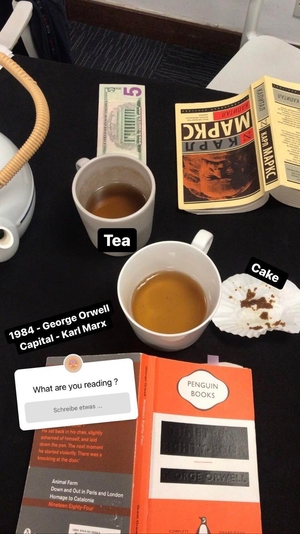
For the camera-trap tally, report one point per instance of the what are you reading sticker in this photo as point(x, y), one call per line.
point(53, 396)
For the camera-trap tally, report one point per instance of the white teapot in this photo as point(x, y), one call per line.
point(17, 191)
point(17, 202)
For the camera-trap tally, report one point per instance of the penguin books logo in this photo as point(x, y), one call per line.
point(202, 389)
point(203, 528)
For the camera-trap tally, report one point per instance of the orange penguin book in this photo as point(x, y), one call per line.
point(195, 468)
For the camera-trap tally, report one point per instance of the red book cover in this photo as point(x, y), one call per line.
point(79, 479)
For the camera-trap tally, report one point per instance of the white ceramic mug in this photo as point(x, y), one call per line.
point(104, 170)
point(190, 259)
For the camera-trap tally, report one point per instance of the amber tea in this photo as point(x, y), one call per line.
point(115, 200)
point(169, 302)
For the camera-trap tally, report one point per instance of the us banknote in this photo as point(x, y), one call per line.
point(122, 120)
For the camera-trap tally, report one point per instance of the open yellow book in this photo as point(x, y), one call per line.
point(232, 153)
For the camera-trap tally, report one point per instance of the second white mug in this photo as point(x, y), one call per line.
point(190, 259)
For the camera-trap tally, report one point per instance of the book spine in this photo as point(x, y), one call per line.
point(264, 135)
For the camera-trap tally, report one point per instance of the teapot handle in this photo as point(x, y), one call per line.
point(41, 126)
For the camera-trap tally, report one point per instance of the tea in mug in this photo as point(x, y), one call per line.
point(115, 200)
point(169, 302)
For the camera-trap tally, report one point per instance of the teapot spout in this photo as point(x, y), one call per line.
point(9, 239)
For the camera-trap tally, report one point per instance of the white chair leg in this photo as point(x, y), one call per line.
point(15, 25)
point(251, 22)
point(26, 33)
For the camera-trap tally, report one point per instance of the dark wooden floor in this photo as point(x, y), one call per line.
point(172, 31)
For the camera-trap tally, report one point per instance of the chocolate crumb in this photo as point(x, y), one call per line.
point(250, 294)
point(260, 303)
point(277, 323)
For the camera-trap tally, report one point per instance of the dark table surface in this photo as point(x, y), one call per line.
point(57, 269)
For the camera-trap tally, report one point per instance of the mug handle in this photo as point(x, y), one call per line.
point(81, 163)
point(203, 240)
